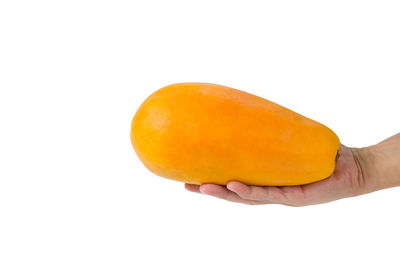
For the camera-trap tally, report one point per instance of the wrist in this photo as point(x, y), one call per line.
point(379, 165)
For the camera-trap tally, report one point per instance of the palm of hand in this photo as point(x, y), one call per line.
point(346, 181)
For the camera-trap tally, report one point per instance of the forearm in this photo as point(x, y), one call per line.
point(380, 164)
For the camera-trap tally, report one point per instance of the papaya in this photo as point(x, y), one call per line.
point(206, 133)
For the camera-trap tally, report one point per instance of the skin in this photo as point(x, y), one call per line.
point(358, 171)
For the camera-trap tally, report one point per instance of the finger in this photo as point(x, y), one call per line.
point(255, 193)
point(192, 188)
point(222, 192)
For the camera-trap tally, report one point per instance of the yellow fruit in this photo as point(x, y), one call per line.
point(205, 133)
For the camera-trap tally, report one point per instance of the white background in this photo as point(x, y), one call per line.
point(73, 73)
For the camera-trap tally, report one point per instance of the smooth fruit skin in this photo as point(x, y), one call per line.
point(205, 133)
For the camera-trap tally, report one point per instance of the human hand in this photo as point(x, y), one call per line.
point(358, 171)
